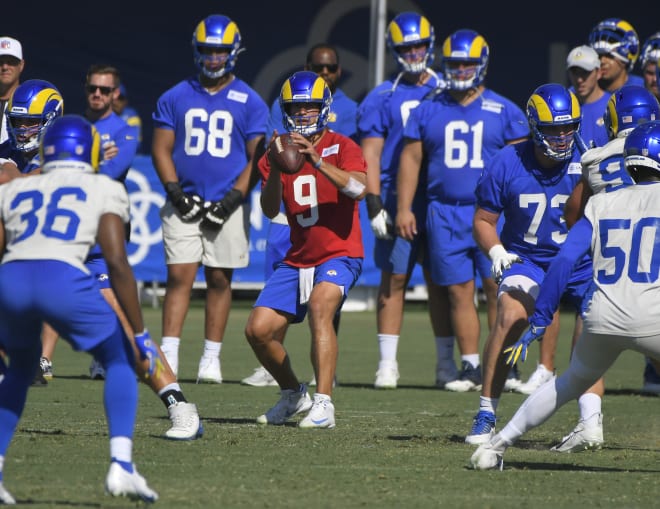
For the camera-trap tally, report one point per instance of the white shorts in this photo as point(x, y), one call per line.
point(188, 243)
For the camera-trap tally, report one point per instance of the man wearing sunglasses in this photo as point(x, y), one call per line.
point(11, 67)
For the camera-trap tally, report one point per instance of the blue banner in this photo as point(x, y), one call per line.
point(147, 255)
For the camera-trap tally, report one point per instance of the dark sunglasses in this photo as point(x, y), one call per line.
point(104, 90)
point(319, 67)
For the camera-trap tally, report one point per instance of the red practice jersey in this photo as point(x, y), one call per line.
point(324, 222)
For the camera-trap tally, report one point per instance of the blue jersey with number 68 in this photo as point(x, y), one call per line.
point(532, 200)
point(211, 132)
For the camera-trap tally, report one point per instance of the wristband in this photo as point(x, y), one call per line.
point(317, 165)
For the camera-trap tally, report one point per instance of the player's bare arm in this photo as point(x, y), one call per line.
point(372, 149)
point(161, 153)
point(406, 186)
point(485, 229)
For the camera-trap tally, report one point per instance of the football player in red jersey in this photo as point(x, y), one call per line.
point(325, 258)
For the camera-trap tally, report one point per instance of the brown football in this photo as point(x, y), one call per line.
point(283, 153)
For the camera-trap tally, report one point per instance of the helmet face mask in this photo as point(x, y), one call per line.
point(629, 107)
point(617, 38)
point(216, 44)
point(70, 143)
point(465, 56)
point(33, 106)
point(650, 50)
point(411, 40)
point(554, 116)
point(305, 101)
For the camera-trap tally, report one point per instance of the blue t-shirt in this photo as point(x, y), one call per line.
point(113, 129)
point(211, 132)
point(459, 141)
point(592, 128)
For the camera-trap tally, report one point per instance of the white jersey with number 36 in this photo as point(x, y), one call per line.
point(55, 216)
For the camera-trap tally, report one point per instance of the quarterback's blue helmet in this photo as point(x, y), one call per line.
point(616, 37)
point(70, 142)
point(553, 105)
point(220, 33)
point(629, 107)
point(33, 106)
point(409, 29)
point(305, 87)
point(464, 46)
point(642, 148)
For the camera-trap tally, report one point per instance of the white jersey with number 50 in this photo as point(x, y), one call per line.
point(55, 216)
point(625, 247)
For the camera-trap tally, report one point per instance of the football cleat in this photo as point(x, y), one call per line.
point(321, 415)
point(46, 368)
point(536, 380)
point(96, 370)
point(260, 378)
point(469, 379)
point(490, 455)
point(121, 483)
point(587, 435)
point(291, 403)
point(186, 424)
point(387, 375)
point(6, 497)
point(209, 370)
point(483, 428)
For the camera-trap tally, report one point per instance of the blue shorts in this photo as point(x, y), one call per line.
point(454, 255)
point(282, 292)
point(277, 244)
point(99, 269)
point(33, 292)
point(576, 292)
point(399, 256)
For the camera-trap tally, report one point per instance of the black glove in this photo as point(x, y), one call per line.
point(188, 205)
point(374, 205)
point(218, 212)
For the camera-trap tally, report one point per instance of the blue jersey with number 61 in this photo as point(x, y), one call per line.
point(211, 133)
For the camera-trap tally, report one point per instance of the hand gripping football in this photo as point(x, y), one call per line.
point(283, 153)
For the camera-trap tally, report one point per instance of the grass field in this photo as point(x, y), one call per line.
point(401, 448)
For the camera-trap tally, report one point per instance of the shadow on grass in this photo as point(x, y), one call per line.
point(54, 503)
point(528, 465)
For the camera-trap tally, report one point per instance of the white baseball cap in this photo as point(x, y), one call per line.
point(12, 47)
point(584, 57)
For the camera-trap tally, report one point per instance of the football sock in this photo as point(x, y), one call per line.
point(488, 404)
point(444, 348)
point(211, 348)
point(388, 344)
point(171, 395)
point(590, 405)
point(170, 343)
point(472, 358)
point(121, 451)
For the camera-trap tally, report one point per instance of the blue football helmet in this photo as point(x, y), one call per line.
point(33, 106)
point(305, 87)
point(650, 50)
point(628, 107)
point(70, 143)
point(217, 32)
point(465, 46)
point(407, 29)
point(553, 105)
point(642, 148)
point(616, 37)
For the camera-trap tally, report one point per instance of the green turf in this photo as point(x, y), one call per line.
point(401, 448)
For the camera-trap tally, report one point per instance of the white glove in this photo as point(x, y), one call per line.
point(382, 225)
point(502, 260)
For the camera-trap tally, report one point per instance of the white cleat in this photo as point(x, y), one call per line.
point(536, 380)
point(185, 422)
point(387, 375)
point(6, 497)
point(96, 370)
point(489, 456)
point(209, 370)
point(120, 483)
point(322, 415)
point(585, 436)
point(260, 378)
point(290, 404)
